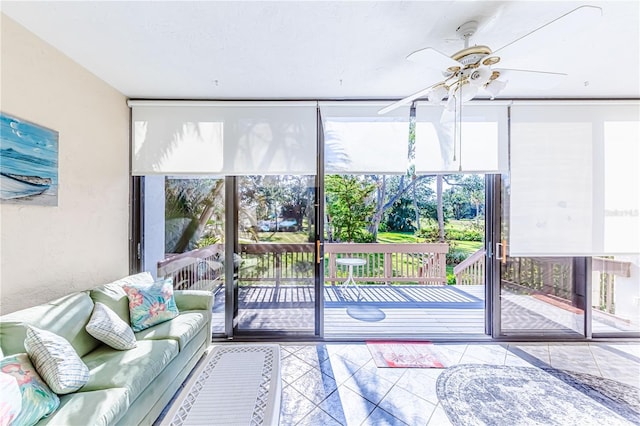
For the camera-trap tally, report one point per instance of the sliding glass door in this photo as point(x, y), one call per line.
point(536, 296)
point(276, 279)
point(567, 249)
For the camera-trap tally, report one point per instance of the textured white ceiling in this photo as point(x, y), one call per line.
point(329, 50)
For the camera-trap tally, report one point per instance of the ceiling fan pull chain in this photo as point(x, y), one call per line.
point(455, 125)
point(411, 152)
point(460, 131)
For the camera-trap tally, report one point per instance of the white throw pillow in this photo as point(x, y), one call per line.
point(106, 326)
point(56, 361)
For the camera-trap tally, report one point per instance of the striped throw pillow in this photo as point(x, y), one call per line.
point(106, 326)
point(56, 361)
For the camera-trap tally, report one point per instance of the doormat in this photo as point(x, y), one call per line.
point(475, 394)
point(405, 354)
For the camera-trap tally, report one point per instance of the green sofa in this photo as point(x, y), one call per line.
point(128, 387)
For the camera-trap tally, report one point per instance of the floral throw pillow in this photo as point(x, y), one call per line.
point(11, 400)
point(38, 400)
point(151, 304)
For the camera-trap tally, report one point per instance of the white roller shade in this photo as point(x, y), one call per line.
point(480, 147)
point(224, 138)
point(575, 180)
point(360, 141)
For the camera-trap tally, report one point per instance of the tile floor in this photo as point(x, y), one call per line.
point(339, 384)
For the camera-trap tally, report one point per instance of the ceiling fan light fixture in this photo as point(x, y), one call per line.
point(480, 76)
point(437, 94)
point(466, 91)
point(453, 70)
point(494, 87)
point(491, 60)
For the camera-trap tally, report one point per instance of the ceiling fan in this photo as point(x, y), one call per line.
point(473, 69)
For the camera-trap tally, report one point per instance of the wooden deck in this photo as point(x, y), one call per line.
point(380, 310)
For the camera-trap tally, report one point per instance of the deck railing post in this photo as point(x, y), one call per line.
point(387, 267)
point(278, 267)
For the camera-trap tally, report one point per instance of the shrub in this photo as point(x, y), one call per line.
point(363, 236)
point(455, 256)
point(207, 241)
point(430, 234)
point(468, 234)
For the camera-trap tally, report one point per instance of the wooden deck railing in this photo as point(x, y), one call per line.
point(388, 263)
point(603, 283)
point(277, 262)
point(471, 270)
point(281, 263)
point(196, 269)
point(407, 262)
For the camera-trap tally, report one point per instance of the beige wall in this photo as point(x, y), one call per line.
point(47, 252)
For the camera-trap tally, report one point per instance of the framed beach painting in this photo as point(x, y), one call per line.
point(28, 163)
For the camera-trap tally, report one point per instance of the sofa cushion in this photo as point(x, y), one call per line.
point(151, 304)
point(134, 369)
point(101, 407)
point(56, 360)
point(106, 326)
point(37, 399)
point(114, 296)
point(66, 317)
point(11, 401)
point(181, 329)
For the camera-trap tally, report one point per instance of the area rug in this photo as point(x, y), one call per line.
point(475, 394)
point(237, 384)
point(405, 354)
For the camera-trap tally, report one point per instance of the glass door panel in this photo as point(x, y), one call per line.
point(184, 231)
point(615, 294)
point(538, 296)
point(277, 246)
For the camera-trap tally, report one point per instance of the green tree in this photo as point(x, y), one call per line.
point(194, 200)
point(349, 206)
point(401, 217)
point(391, 189)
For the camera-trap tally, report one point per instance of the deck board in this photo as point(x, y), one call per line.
point(415, 311)
point(382, 310)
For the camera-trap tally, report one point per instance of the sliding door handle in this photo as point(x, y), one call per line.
point(501, 251)
point(318, 251)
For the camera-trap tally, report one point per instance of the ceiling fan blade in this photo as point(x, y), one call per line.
point(567, 24)
point(407, 100)
point(433, 58)
point(531, 78)
point(510, 70)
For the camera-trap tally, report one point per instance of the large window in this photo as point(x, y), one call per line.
point(575, 192)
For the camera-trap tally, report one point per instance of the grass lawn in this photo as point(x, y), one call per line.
point(280, 237)
point(398, 237)
point(469, 247)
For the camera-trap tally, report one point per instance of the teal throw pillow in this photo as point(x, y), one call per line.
point(151, 304)
point(38, 400)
